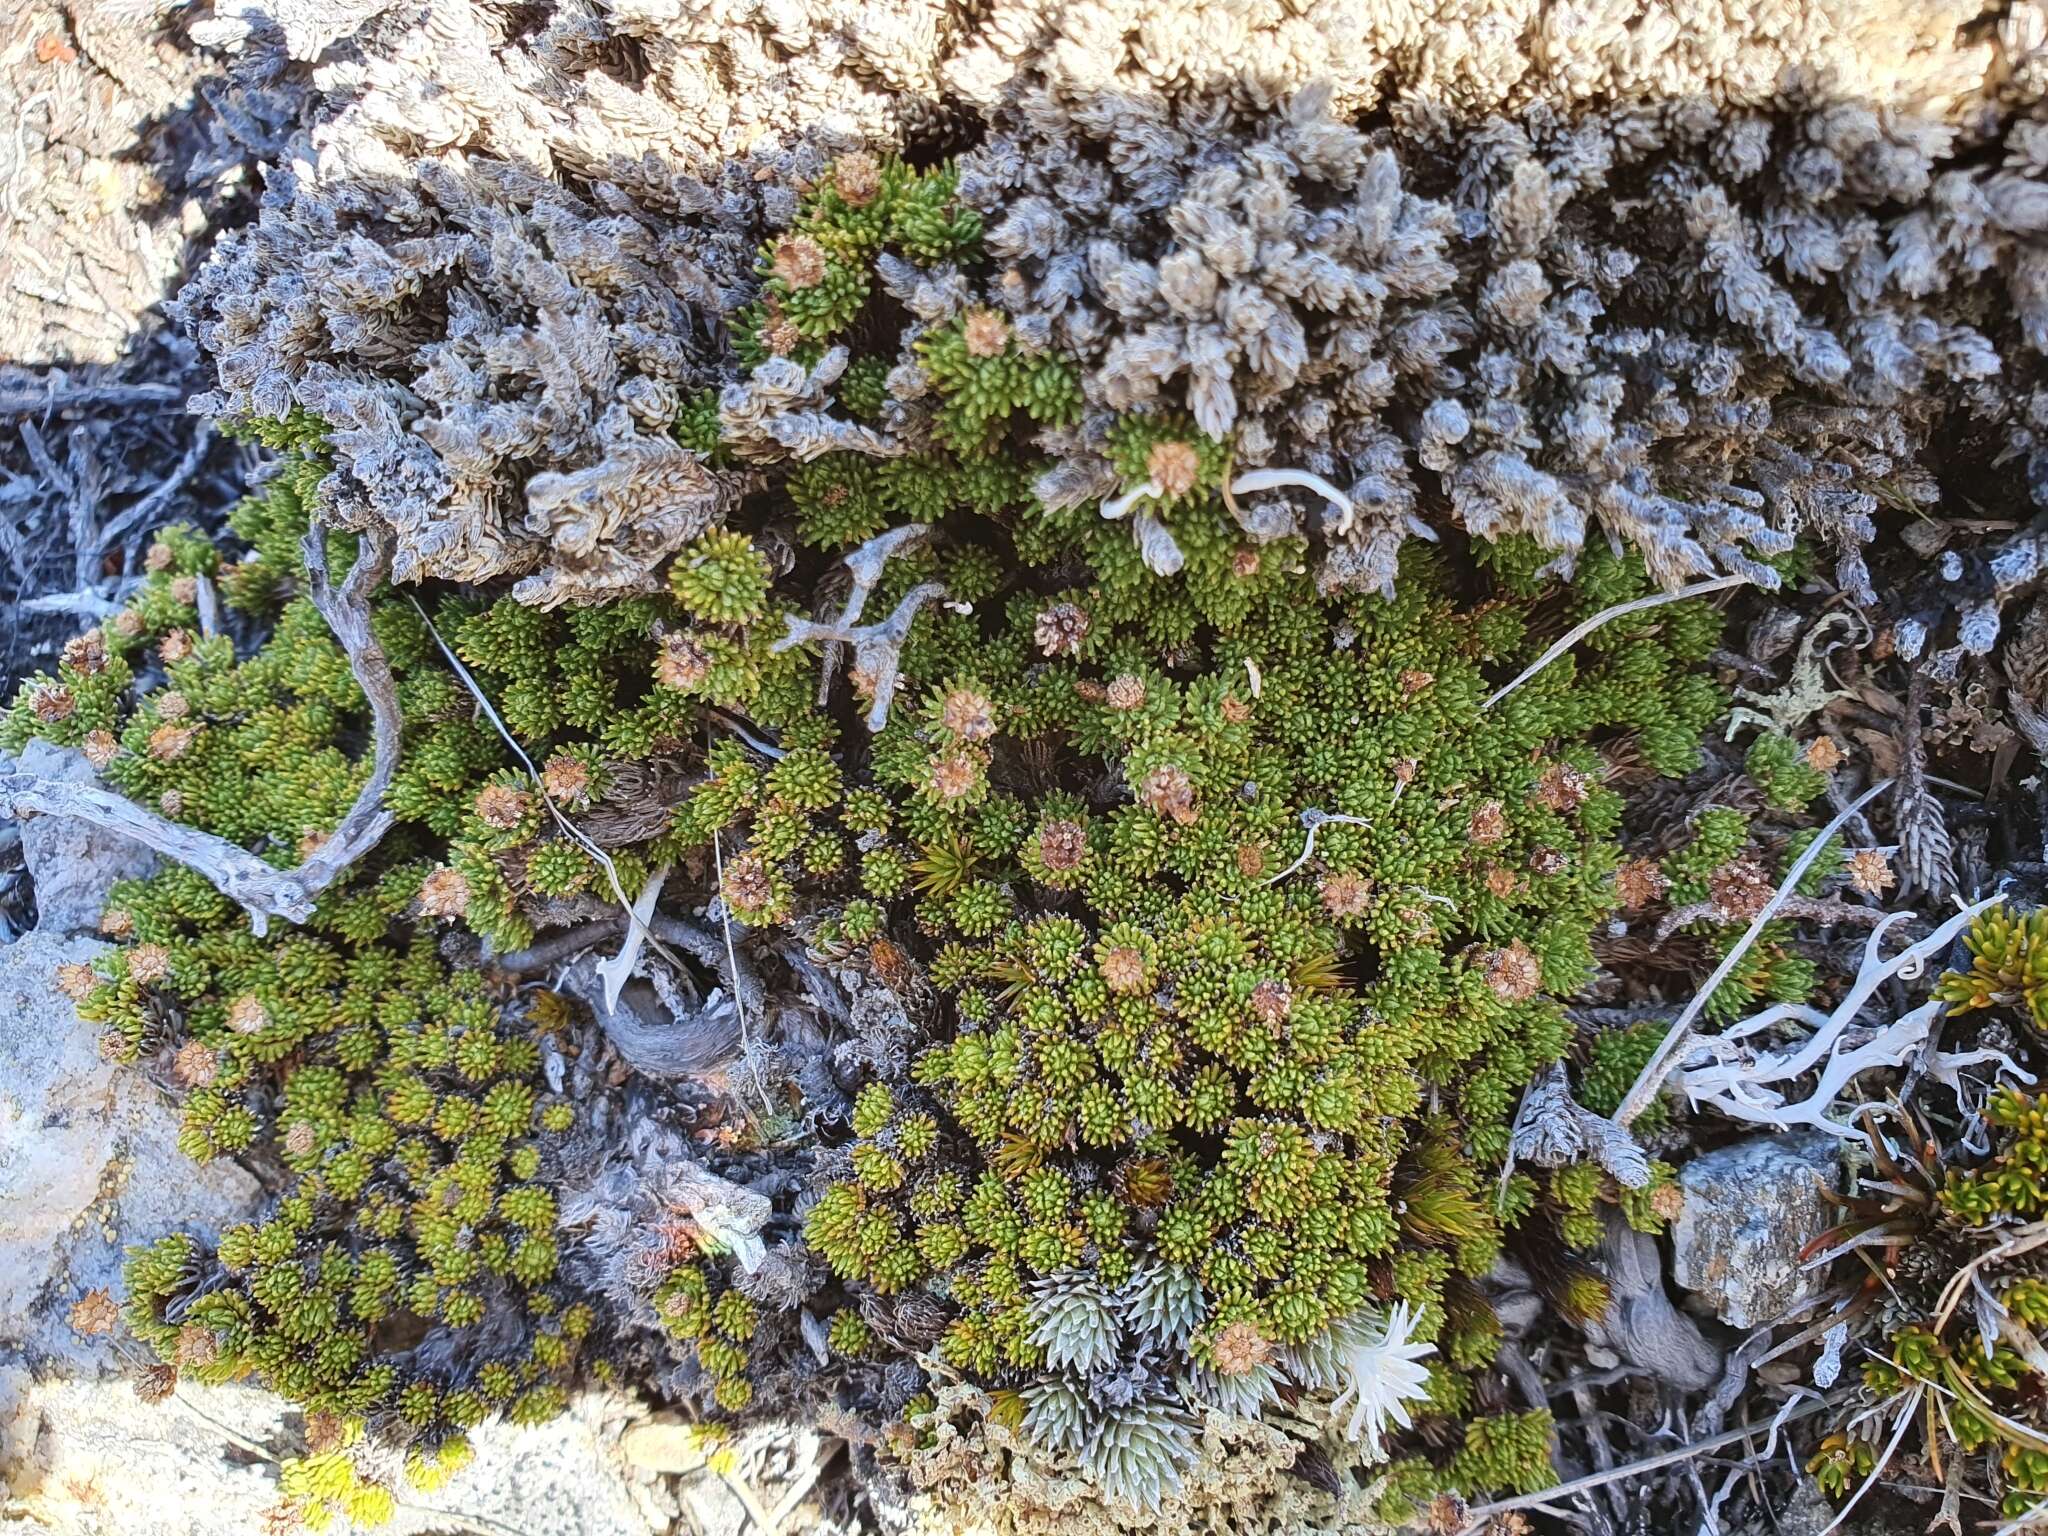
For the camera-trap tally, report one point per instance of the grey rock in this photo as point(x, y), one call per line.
point(73, 863)
point(1750, 1208)
point(89, 1159)
point(1641, 1326)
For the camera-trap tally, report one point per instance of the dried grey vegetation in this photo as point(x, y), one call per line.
point(1695, 282)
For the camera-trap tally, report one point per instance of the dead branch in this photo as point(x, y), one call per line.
point(56, 397)
point(1827, 911)
point(261, 889)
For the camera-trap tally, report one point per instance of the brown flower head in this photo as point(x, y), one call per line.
point(501, 807)
point(1060, 630)
point(148, 964)
point(1823, 756)
point(985, 332)
point(780, 335)
point(113, 1046)
point(300, 1139)
point(1061, 845)
point(185, 590)
point(1173, 466)
point(1870, 872)
point(100, 748)
point(1244, 564)
point(95, 1313)
point(1251, 860)
point(566, 779)
point(196, 1348)
point(1123, 969)
point(1239, 1347)
point(86, 653)
point(1169, 791)
point(954, 776)
point(247, 1015)
point(444, 893)
point(311, 842)
point(799, 261)
point(157, 557)
point(1513, 973)
point(173, 705)
point(154, 1383)
point(1125, 692)
point(1487, 825)
point(1668, 1201)
point(1272, 1001)
point(1548, 861)
point(76, 980)
point(175, 646)
point(1345, 894)
point(1234, 710)
point(747, 886)
point(127, 624)
point(116, 924)
point(1502, 881)
point(1414, 680)
point(1638, 883)
point(684, 662)
point(168, 743)
point(968, 714)
point(857, 178)
point(172, 803)
point(195, 1065)
point(52, 702)
point(1562, 788)
point(1739, 889)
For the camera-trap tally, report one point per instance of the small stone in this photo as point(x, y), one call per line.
point(670, 1449)
point(1749, 1211)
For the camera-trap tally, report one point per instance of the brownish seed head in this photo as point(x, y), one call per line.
point(1061, 845)
point(173, 705)
point(157, 557)
point(148, 964)
point(968, 714)
point(1739, 889)
point(799, 261)
point(1239, 1348)
point(1548, 861)
point(857, 178)
point(1502, 881)
point(1414, 680)
point(780, 335)
point(195, 1065)
point(986, 332)
point(1513, 973)
point(86, 653)
point(1272, 1001)
point(168, 743)
point(747, 886)
point(1870, 872)
point(53, 702)
point(185, 590)
point(1125, 692)
point(1060, 630)
point(76, 980)
point(154, 1383)
point(501, 807)
point(1123, 969)
point(172, 803)
point(1244, 564)
point(1562, 788)
point(1345, 894)
point(127, 624)
point(174, 647)
point(1173, 466)
point(95, 1313)
point(1638, 883)
point(116, 924)
point(1169, 791)
point(566, 779)
point(1251, 860)
point(300, 1139)
point(954, 776)
point(100, 748)
point(684, 663)
point(444, 893)
point(196, 1348)
point(1487, 825)
point(1823, 756)
point(247, 1015)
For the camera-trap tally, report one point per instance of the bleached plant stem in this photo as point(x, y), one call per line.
point(1679, 1041)
point(1301, 479)
point(1314, 820)
point(1579, 631)
point(263, 890)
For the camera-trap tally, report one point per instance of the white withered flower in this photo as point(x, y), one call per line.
point(1382, 1375)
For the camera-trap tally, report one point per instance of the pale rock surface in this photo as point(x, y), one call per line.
point(72, 862)
point(1750, 1208)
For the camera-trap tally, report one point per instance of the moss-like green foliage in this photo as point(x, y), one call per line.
point(1926, 1233)
point(2008, 966)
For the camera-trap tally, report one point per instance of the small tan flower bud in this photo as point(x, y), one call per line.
point(100, 748)
point(1061, 845)
point(127, 624)
point(148, 964)
point(566, 779)
point(86, 653)
point(1123, 969)
point(1638, 883)
point(185, 590)
point(247, 1015)
point(747, 886)
point(684, 662)
point(1173, 466)
point(954, 776)
point(1870, 872)
point(968, 714)
point(168, 743)
point(799, 261)
point(157, 557)
point(156, 1382)
point(300, 1139)
point(77, 981)
point(1562, 788)
point(195, 1065)
point(1345, 894)
point(1244, 564)
point(1739, 890)
point(95, 1313)
point(53, 702)
point(857, 178)
point(174, 647)
point(1487, 825)
point(444, 893)
point(116, 924)
point(1239, 1348)
point(1272, 1001)
point(172, 803)
point(986, 332)
point(501, 807)
point(1125, 692)
point(1823, 756)
point(1513, 973)
point(1060, 630)
point(1168, 790)
point(173, 705)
